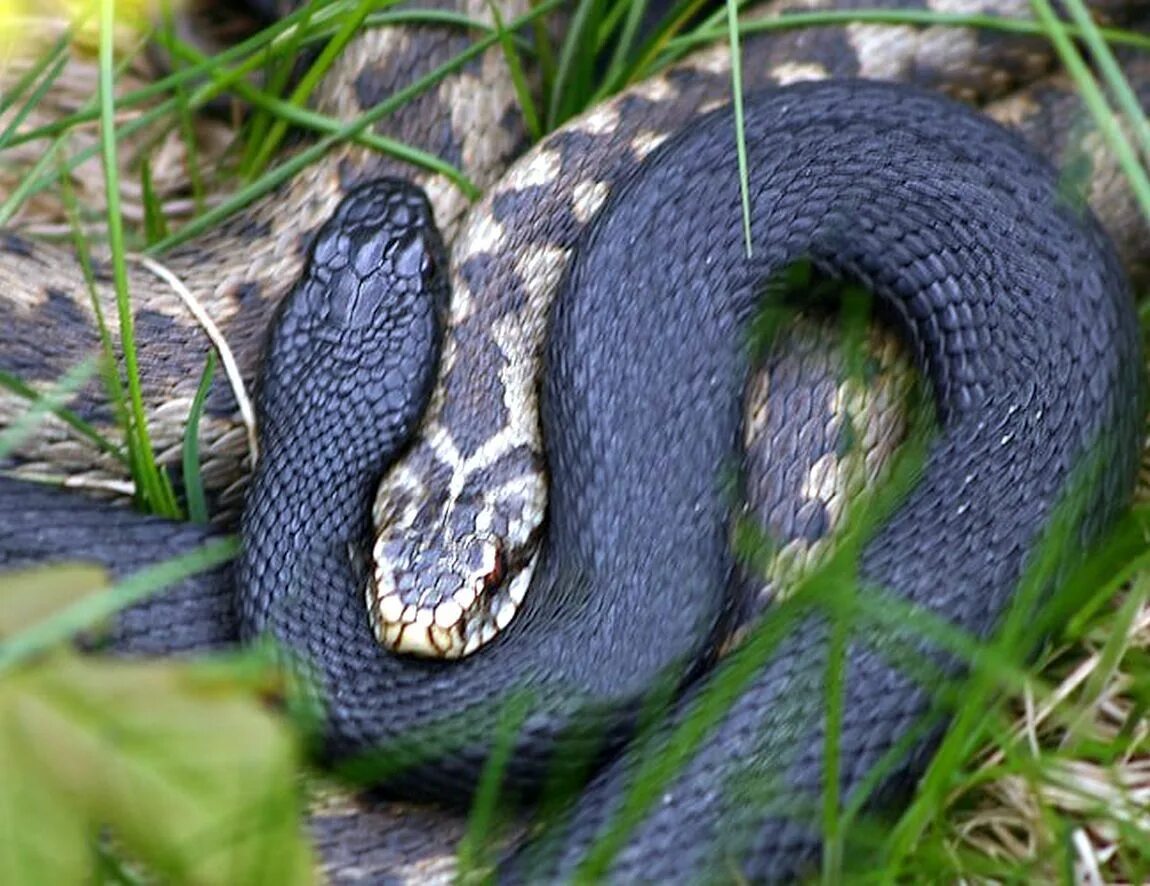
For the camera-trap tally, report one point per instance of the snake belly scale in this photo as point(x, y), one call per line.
point(972, 354)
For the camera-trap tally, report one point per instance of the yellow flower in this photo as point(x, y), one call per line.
point(26, 26)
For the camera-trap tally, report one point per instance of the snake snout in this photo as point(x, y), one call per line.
point(439, 600)
point(380, 242)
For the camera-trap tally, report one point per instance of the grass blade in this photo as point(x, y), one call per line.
point(151, 488)
point(90, 611)
point(1095, 101)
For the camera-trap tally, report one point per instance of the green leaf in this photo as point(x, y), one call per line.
point(31, 595)
point(82, 614)
point(181, 764)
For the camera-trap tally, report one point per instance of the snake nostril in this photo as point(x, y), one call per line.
point(412, 257)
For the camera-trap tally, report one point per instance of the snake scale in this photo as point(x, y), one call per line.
point(510, 254)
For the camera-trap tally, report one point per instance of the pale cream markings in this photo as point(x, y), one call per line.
point(227, 457)
point(789, 5)
point(506, 441)
point(781, 571)
point(844, 471)
point(713, 60)
point(447, 359)
point(519, 339)
point(758, 402)
point(955, 51)
point(1013, 111)
point(798, 72)
point(542, 266)
point(601, 120)
point(1109, 193)
point(878, 427)
point(397, 501)
point(885, 422)
point(823, 478)
point(587, 198)
point(527, 492)
point(477, 115)
point(475, 104)
point(1002, 8)
point(163, 424)
point(883, 51)
point(834, 480)
point(482, 235)
point(395, 504)
point(658, 90)
point(411, 628)
point(888, 52)
point(448, 204)
point(219, 262)
point(441, 442)
point(1114, 202)
point(542, 168)
point(645, 142)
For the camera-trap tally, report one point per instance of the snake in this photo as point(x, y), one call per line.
point(1036, 433)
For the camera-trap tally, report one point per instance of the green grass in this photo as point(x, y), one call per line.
point(1039, 745)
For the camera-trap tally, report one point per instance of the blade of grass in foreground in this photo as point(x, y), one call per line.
point(1103, 58)
point(573, 75)
point(49, 64)
point(152, 488)
point(740, 130)
point(55, 406)
point(344, 132)
point(473, 857)
point(1015, 638)
point(829, 589)
point(193, 480)
point(50, 403)
point(518, 77)
point(90, 611)
point(1093, 98)
point(348, 27)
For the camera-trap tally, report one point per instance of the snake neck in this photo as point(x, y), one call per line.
point(307, 518)
point(300, 517)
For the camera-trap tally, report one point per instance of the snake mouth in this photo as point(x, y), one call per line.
point(406, 621)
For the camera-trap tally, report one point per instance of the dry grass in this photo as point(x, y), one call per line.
point(161, 144)
point(1089, 739)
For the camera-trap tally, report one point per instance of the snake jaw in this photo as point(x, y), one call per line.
point(452, 564)
point(467, 597)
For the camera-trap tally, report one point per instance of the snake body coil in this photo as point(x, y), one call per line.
point(1019, 314)
point(1013, 304)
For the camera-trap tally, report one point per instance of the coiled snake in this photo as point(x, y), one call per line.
point(1014, 304)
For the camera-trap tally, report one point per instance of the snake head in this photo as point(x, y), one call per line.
point(356, 341)
point(450, 570)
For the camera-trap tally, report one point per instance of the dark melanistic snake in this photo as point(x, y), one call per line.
point(1014, 304)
